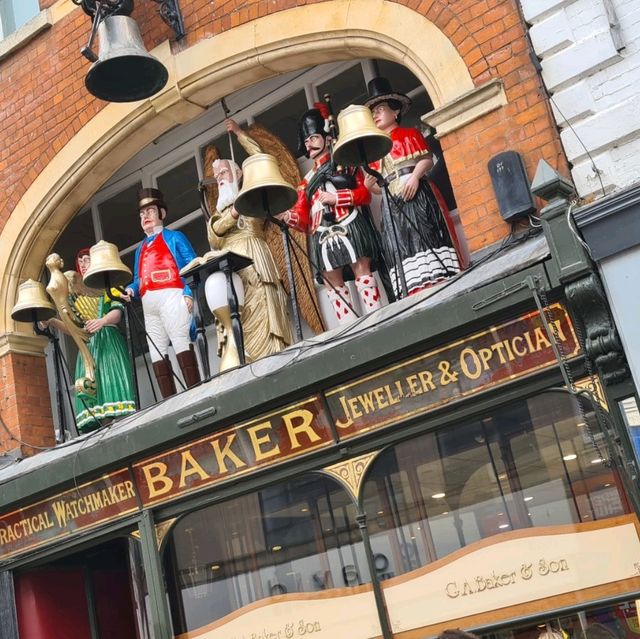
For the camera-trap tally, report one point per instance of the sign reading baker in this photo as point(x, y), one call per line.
point(269, 439)
point(468, 366)
point(86, 506)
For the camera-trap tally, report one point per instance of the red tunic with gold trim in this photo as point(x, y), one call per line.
point(422, 228)
point(340, 234)
point(157, 267)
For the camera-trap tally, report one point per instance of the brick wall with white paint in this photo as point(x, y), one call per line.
point(590, 56)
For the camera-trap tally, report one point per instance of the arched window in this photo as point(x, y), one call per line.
point(298, 536)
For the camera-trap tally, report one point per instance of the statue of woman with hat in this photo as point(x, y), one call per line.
point(420, 229)
point(91, 317)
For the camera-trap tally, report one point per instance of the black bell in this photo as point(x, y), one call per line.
point(125, 71)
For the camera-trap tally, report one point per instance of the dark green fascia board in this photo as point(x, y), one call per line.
point(381, 345)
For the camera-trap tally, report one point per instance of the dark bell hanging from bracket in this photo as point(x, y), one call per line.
point(124, 71)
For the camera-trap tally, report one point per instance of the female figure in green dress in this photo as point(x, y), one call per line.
point(100, 315)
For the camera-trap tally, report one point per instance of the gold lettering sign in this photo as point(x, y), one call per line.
point(526, 571)
point(269, 439)
point(89, 505)
point(471, 365)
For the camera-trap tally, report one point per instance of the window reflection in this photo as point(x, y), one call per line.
point(299, 536)
point(617, 621)
point(533, 463)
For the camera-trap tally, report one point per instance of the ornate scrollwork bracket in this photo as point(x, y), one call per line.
point(170, 13)
point(601, 342)
point(168, 9)
point(576, 272)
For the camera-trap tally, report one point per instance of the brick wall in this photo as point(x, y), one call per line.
point(43, 104)
point(25, 407)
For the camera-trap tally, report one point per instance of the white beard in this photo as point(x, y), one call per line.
point(226, 195)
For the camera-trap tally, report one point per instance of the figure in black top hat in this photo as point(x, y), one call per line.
point(421, 229)
point(331, 208)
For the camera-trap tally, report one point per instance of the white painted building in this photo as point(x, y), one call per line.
point(590, 57)
point(589, 52)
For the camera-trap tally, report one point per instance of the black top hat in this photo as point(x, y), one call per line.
point(149, 196)
point(311, 123)
point(380, 90)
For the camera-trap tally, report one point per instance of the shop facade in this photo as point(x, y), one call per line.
point(433, 466)
point(450, 483)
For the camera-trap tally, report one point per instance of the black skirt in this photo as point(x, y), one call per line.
point(419, 237)
point(338, 245)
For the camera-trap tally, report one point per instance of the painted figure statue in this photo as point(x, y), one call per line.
point(265, 321)
point(421, 229)
point(331, 209)
point(104, 380)
point(167, 301)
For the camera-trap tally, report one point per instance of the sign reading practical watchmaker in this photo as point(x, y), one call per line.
point(471, 365)
point(86, 506)
point(265, 441)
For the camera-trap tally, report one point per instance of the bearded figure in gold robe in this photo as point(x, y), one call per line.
point(265, 320)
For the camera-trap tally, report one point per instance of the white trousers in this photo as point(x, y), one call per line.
point(166, 319)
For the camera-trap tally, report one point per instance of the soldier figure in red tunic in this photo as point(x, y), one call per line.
point(167, 301)
point(329, 210)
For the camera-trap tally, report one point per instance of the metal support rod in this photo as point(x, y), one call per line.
point(172, 16)
point(201, 335)
point(387, 219)
point(57, 369)
point(361, 519)
point(132, 356)
point(234, 310)
point(286, 242)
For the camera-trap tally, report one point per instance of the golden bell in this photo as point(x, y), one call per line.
point(106, 269)
point(33, 304)
point(360, 140)
point(264, 191)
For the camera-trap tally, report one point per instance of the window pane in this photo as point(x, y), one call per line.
point(298, 536)
point(196, 232)
point(15, 13)
point(346, 88)
point(533, 463)
point(282, 119)
point(119, 218)
point(180, 189)
point(79, 234)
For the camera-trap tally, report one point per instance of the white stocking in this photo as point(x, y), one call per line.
point(338, 297)
point(368, 292)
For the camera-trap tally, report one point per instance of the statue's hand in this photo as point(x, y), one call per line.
point(94, 325)
point(232, 126)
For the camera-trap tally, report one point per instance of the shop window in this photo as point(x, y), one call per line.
point(78, 234)
point(15, 13)
point(533, 463)
point(282, 119)
point(180, 189)
point(295, 537)
point(631, 416)
point(349, 87)
point(613, 621)
point(119, 217)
